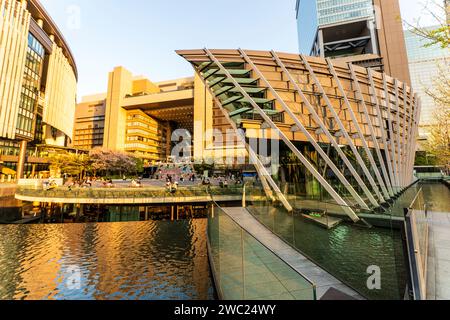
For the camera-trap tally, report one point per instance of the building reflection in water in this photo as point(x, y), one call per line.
point(136, 260)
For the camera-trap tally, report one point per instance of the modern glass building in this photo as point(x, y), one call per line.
point(365, 32)
point(424, 64)
point(38, 80)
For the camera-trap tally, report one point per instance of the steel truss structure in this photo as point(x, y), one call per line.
point(369, 120)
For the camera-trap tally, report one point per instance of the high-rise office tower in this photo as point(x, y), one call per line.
point(425, 63)
point(365, 32)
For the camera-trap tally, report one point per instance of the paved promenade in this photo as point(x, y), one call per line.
point(439, 257)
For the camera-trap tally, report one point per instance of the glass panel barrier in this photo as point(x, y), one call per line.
point(321, 231)
point(130, 193)
point(417, 231)
point(244, 269)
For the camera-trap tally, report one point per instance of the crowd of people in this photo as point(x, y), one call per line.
point(89, 183)
point(173, 177)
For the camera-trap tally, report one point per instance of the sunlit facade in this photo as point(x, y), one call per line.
point(38, 83)
point(135, 115)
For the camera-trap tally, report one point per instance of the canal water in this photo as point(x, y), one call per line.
point(349, 252)
point(154, 260)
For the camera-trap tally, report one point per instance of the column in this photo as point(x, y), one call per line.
point(22, 159)
point(168, 141)
point(321, 43)
point(373, 36)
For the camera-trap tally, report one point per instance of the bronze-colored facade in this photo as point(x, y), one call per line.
point(332, 117)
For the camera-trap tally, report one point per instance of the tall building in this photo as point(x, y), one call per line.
point(135, 115)
point(368, 33)
point(424, 64)
point(142, 117)
point(38, 82)
point(90, 122)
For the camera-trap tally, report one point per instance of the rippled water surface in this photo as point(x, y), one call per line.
point(138, 260)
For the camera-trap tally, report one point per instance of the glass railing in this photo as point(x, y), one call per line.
point(322, 231)
point(417, 235)
point(430, 176)
point(244, 269)
point(130, 193)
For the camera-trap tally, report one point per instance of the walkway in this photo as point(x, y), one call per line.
point(323, 280)
point(439, 257)
point(437, 197)
point(129, 196)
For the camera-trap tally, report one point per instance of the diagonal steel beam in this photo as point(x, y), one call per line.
point(374, 136)
point(399, 145)
point(414, 134)
point(404, 153)
point(381, 120)
point(348, 139)
point(409, 117)
point(313, 112)
point(411, 110)
point(391, 133)
point(362, 137)
point(301, 127)
point(266, 178)
point(286, 140)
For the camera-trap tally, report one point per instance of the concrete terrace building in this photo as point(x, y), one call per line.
point(368, 33)
point(135, 115)
point(139, 116)
point(90, 122)
point(343, 130)
point(424, 64)
point(38, 83)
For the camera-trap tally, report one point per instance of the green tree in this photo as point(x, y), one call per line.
point(75, 165)
point(438, 144)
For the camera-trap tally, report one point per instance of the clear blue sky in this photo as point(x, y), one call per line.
point(142, 35)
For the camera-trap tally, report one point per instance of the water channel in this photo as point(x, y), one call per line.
point(154, 260)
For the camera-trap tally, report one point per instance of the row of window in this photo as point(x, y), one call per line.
point(141, 146)
point(326, 11)
point(140, 124)
point(91, 144)
point(346, 16)
point(88, 137)
point(89, 130)
point(30, 88)
point(141, 117)
point(35, 45)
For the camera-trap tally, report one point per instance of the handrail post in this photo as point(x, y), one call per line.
point(244, 200)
